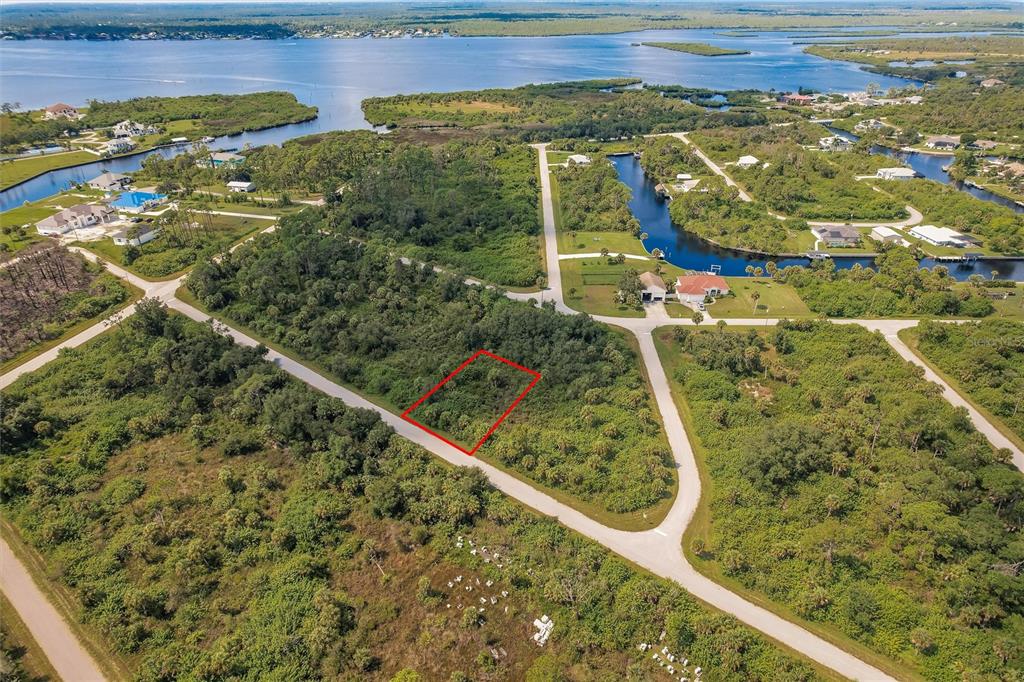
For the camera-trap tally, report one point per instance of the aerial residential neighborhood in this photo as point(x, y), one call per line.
point(548, 342)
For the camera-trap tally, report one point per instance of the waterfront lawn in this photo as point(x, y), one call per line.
point(775, 300)
point(14, 171)
point(172, 252)
point(819, 445)
point(592, 242)
point(17, 225)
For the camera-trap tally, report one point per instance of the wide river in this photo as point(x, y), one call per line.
point(336, 75)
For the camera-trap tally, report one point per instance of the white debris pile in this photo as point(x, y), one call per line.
point(544, 626)
point(673, 664)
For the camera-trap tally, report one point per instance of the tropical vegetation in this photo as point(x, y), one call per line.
point(847, 489)
point(213, 518)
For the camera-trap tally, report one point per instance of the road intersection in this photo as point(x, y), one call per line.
point(659, 550)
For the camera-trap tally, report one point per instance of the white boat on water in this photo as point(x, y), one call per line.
point(206, 140)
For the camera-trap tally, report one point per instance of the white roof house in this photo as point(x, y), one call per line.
point(747, 161)
point(241, 186)
point(887, 235)
point(580, 159)
point(684, 176)
point(898, 173)
point(119, 146)
point(108, 182)
point(82, 215)
point(126, 237)
point(940, 236)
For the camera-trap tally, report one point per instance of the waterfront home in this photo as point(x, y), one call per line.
point(695, 288)
point(868, 125)
point(130, 128)
point(942, 142)
point(241, 186)
point(654, 288)
point(82, 215)
point(746, 161)
point(217, 159)
point(834, 143)
point(796, 99)
point(687, 185)
point(983, 145)
point(579, 159)
point(887, 235)
point(60, 110)
point(110, 182)
point(120, 145)
point(898, 173)
point(991, 82)
point(135, 235)
point(838, 236)
point(940, 236)
point(137, 202)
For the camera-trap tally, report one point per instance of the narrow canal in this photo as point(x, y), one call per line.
point(688, 251)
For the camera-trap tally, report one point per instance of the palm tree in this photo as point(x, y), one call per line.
point(755, 297)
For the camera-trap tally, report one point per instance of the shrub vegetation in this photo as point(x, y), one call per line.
point(847, 488)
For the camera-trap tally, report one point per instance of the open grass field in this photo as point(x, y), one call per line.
point(18, 170)
point(775, 300)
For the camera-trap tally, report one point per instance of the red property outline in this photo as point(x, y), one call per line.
point(494, 427)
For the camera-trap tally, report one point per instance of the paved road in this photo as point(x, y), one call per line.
point(554, 289)
point(715, 168)
point(890, 329)
point(659, 550)
point(53, 635)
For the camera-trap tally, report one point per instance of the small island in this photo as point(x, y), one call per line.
point(702, 49)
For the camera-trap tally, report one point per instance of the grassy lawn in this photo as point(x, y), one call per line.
point(776, 300)
point(910, 337)
point(589, 286)
point(229, 207)
point(25, 650)
point(593, 242)
point(558, 157)
point(18, 170)
point(700, 525)
point(1012, 307)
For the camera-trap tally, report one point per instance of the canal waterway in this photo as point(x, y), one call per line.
point(686, 250)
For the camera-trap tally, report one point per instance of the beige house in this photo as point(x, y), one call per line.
point(82, 215)
point(695, 288)
point(654, 287)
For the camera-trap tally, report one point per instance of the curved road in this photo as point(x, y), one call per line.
point(658, 550)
